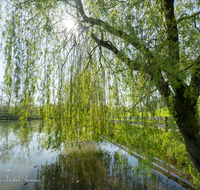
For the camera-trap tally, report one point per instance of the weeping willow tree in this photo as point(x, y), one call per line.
point(116, 56)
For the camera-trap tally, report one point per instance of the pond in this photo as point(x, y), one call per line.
point(95, 166)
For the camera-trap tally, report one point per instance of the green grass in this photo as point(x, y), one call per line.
point(162, 112)
point(153, 141)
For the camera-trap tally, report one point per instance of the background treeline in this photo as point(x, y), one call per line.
point(10, 107)
point(11, 113)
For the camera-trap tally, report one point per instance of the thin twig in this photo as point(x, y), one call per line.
point(140, 100)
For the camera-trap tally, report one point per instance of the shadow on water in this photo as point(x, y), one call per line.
point(27, 165)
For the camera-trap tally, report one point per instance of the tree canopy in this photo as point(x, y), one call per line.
point(114, 56)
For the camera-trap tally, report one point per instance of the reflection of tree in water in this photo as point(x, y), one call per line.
point(87, 168)
point(16, 143)
point(6, 143)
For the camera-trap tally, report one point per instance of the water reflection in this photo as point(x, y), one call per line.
point(13, 149)
point(87, 168)
point(94, 166)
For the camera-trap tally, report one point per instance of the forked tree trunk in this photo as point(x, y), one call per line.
point(186, 115)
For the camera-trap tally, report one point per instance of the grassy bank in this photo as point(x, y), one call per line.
point(148, 141)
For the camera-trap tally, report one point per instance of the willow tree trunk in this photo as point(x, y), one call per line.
point(186, 115)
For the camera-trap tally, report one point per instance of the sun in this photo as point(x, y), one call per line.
point(69, 24)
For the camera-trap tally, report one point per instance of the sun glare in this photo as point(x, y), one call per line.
point(69, 24)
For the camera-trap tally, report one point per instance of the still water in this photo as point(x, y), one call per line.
point(27, 165)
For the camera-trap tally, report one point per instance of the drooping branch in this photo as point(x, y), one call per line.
point(195, 80)
point(133, 39)
point(186, 16)
point(149, 68)
point(89, 61)
point(121, 55)
point(140, 100)
point(156, 76)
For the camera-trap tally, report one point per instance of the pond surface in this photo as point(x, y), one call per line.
point(96, 166)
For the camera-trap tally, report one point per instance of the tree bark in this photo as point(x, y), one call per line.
point(186, 115)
